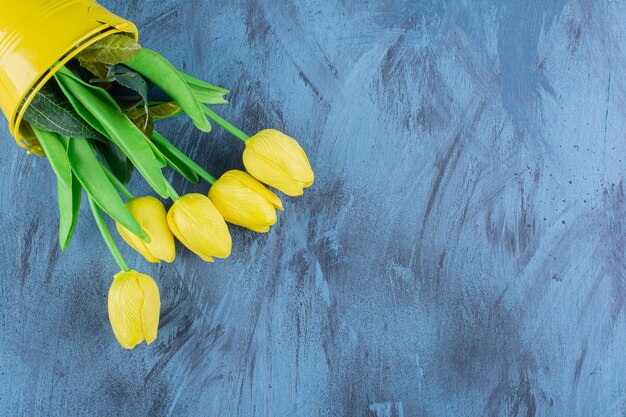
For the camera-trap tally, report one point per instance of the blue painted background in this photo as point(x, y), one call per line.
point(462, 252)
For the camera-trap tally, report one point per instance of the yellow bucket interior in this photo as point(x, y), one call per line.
point(37, 37)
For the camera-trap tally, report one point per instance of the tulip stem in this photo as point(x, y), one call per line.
point(225, 124)
point(172, 192)
point(106, 235)
point(117, 183)
point(160, 140)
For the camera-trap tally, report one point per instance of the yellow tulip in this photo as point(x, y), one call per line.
point(196, 222)
point(152, 218)
point(278, 160)
point(244, 201)
point(134, 308)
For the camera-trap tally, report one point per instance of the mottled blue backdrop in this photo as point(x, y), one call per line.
point(462, 252)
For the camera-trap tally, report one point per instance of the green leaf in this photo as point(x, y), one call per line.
point(145, 123)
point(157, 111)
point(51, 111)
point(87, 169)
point(57, 155)
point(175, 158)
point(69, 206)
point(83, 112)
point(135, 113)
point(205, 93)
point(97, 68)
point(165, 110)
point(159, 154)
point(69, 189)
point(161, 73)
point(191, 80)
point(113, 49)
point(115, 159)
point(120, 129)
point(129, 104)
point(130, 79)
point(205, 96)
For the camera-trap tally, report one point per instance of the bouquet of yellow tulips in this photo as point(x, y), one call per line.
point(92, 113)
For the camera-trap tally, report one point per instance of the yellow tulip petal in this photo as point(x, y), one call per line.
point(136, 243)
point(151, 215)
point(250, 182)
point(306, 172)
point(244, 201)
point(151, 307)
point(283, 150)
point(134, 307)
point(271, 174)
point(278, 160)
point(245, 208)
point(197, 223)
point(125, 300)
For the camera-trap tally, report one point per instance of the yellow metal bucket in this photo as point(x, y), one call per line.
point(37, 37)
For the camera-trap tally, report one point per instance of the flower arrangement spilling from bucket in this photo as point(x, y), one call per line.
point(85, 102)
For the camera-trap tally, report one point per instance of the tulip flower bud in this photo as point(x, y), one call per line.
point(152, 218)
point(196, 222)
point(278, 160)
point(134, 308)
point(244, 201)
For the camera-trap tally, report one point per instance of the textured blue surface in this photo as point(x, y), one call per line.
point(462, 252)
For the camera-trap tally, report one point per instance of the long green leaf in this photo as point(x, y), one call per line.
point(176, 159)
point(87, 169)
point(204, 92)
point(205, 96)
point(189, 79)
point(115, 159)
point(57, 156)
point(83, 112)
point(120, 129)
point(163, 74)
point(158, 154)
point(69, 206)
point(50, 110)
point(183, 170)
point(69, 189)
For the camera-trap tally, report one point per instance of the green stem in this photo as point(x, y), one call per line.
point(225, 124)
point(106, 235)
point(156, 137)
point(117, 183)
point(173, 194)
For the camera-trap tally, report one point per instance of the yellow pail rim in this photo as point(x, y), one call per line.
point(38, 37)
